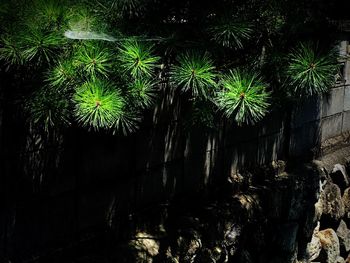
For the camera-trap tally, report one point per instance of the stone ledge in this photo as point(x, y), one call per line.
point(335, 150)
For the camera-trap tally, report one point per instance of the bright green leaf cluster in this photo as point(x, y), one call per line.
point(137, 59)
point(309, 71)
point(94, 59)
point(98, 104)
point(143, 92)
point(195, 73)
point(100, 65)
point(243, 96)
point(231, 33)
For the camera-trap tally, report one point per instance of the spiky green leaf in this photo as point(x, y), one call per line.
point(244, 97)
point(309, 71)
point(195, 73)
point(98, 105)
point(137, 58)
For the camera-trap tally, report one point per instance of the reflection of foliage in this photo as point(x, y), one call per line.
point(309, 71)
point(98, 104)
point(195, 73)
point(49, 108)
point(137, 58)
point(231, 33)
point(244, 96)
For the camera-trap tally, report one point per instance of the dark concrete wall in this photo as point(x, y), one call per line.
point(100, 181)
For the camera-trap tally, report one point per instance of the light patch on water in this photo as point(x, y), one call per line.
point(88, 35)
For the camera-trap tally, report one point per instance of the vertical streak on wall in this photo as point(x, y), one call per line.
point(347, 64)
point(2, 183)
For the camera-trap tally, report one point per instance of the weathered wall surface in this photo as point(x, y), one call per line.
point(101, 180)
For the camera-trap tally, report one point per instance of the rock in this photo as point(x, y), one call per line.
point(232, 233)
point(347, 260)
point(145, 247)
point(231, 238)
point(343, 234)
point(339, 176)
point(346, 201)
point(321, 170)
point(249, 203)
point(188, 243)
point(330, 245)
point(332, 203)
point(318, 210)
point(340, 260)
point(205, 256)
point(279, 167)
point(314, 247)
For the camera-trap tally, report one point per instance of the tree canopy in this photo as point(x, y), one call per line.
point(100, 63)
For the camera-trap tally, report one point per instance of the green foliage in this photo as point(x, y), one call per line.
point(63, 75)
point(50, 14)
point(52, 41)
point(231, 33)
point(39, 46)
point(128, 7)
point(137, 59)
point(142, 91)
point(243, 96)
point(194, 73)
point(94, 59)
point(309, 71)
point(128, 122)
point(98, 104)
point(10, 51)
point(48, 108)
point(80, 18)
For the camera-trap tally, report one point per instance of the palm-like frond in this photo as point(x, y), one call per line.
point(137, 58)
point(98, 104)
point(194, 73)
point(128, 7)
point(63, 75)
point(128, 123)
point(142, 92)
point(231, 33)
point(310, 72)
point(39, 46)
point(48, 13)
point(243, 96)
point(48, 108)
point(94, 59)
point(10, 51)
point(81, 18)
